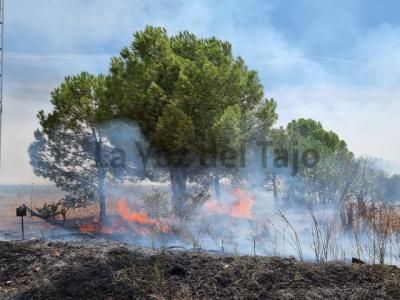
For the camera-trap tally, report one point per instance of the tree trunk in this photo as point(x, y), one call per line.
point(275, 188)
point(178, 178)
point(102, 200)
point(101, 175)
point(217, 186)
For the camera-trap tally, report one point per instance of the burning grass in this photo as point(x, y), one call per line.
point(125, 220)
point(242, 223)
point(241, 207)
point(98, 269)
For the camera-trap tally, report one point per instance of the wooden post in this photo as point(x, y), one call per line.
point(21, 212)
point(22, 225)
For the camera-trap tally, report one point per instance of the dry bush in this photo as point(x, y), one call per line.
point(323, 234)
point(358, 245)
point(189, 210)
point(217, 237)
point(294, 237)
point(195, 198)
point(158, 207)
point(379, 222)
point(396, 243)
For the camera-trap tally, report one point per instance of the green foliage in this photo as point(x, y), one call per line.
point(52, 210)
point(227, 130)
point(184, 91)
point(266, 116)
point(49, 210)
point(75, 103)
point(190, 97)
point(311, 132)
point(69, 147)
point(323, 182)
point(174, 132)
point(338, 176)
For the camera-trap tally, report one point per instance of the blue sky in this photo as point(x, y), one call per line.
point(334, 61)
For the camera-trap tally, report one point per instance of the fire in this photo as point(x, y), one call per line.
point(95, 227)
point(89, 228)
point(133, 216)
point(240, 208)
point(138, 217)
point(141, 221)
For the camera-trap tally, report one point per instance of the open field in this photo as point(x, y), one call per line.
point(12, 196)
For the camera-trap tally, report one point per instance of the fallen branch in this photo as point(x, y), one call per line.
point(35, 214)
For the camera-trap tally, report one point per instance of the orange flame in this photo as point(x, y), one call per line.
point(132, 216)
point(95, 227)
point(138, 217)
point(89, 228)
point(240, 208)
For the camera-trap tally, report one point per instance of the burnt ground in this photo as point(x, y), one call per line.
point(107, 270)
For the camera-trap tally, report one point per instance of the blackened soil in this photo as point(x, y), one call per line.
point(104, 270)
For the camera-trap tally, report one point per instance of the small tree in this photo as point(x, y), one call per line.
point(320, 183)
point(69, 148)
point(61, 207)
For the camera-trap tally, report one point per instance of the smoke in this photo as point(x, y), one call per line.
point(247, 218)
point(346, 92)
